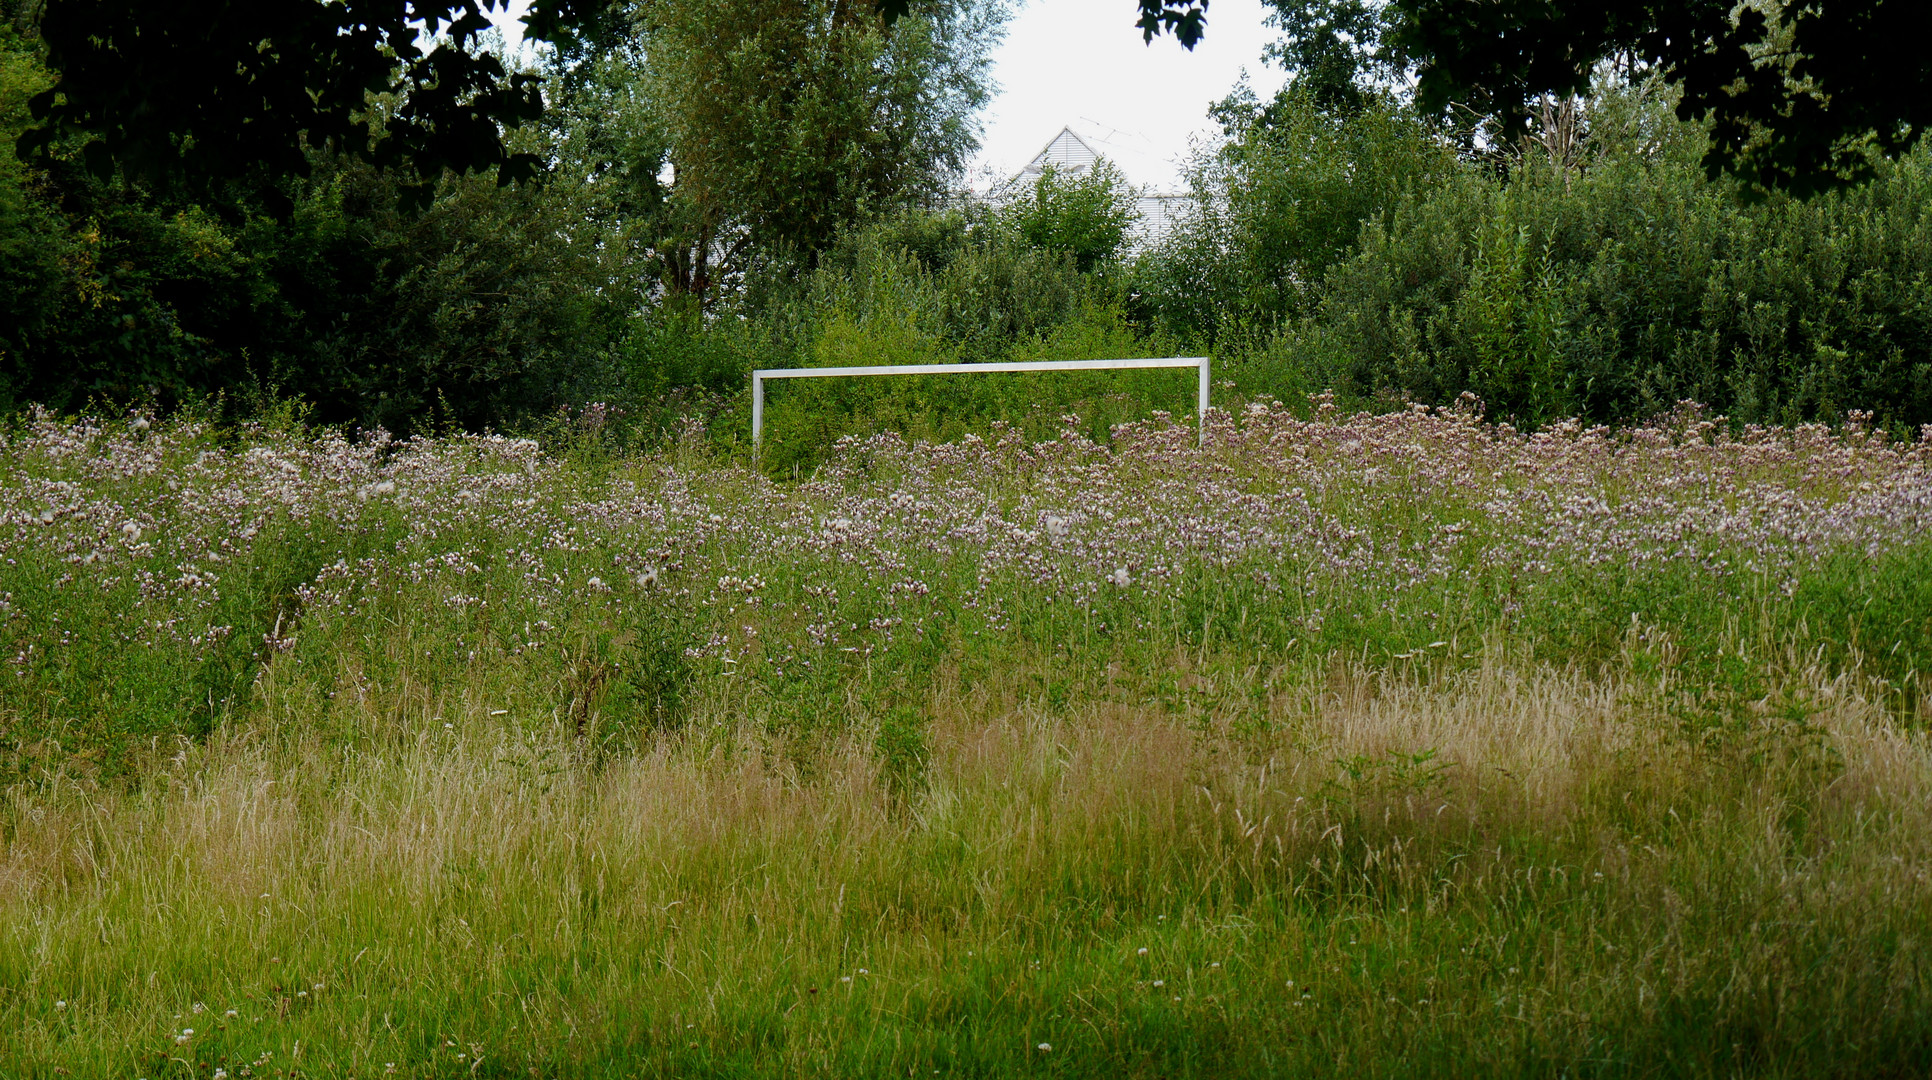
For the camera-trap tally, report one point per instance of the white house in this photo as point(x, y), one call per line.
point(1161, 197)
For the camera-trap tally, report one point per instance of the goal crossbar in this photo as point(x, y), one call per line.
point(759, 376)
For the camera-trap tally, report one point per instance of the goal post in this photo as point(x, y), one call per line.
point(759, 376)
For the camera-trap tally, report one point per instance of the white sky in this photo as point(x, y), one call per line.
point(1081, 63)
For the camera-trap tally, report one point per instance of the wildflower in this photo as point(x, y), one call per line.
point(1143, 950)
point(140, 424)
point(60, 1005)
point(47, 516)
point(221, 1074)
point(231, 1014)
point(1045, 1047)
point(1120, 577)
point(131, 531)
point(1056, 526)
point(647, 578)
point(183, 1038)
point(1158, 983)
point(596, 583)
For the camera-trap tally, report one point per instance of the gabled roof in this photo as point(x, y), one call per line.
point(1067, 152)
point(1072, 154)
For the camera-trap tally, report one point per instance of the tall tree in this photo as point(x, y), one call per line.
point(1798, 95)
point(749, 129)
point(197, 92)
point(1333, 50)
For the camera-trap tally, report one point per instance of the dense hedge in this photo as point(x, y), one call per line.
point(1608, 286)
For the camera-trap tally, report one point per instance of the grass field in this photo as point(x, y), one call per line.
point(1361, 746)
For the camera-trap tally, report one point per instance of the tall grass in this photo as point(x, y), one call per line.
point(1505, 874)
point(1401, 745)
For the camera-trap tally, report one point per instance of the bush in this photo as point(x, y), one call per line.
point(1613, 290)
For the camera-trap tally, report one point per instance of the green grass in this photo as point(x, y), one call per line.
point(468, 812)
point(1495, 877)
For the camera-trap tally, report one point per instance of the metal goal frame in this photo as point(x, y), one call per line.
point(759, 376)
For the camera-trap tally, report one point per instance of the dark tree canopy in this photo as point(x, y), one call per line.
point(1797, 95)
point(1334, 48)
point(199, 91)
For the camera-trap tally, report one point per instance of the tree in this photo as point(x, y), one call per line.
point(1332, 50)
point(200, 92)
point(486, 306)
point(1798, 95)
point(197, 92)
point(1085, 215)
point(750, 130)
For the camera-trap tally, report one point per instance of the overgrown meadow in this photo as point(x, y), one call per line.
point(1381, 745)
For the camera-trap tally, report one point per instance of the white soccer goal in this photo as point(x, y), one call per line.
point(758, 379)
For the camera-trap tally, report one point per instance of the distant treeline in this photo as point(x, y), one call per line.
point(1592, 271)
